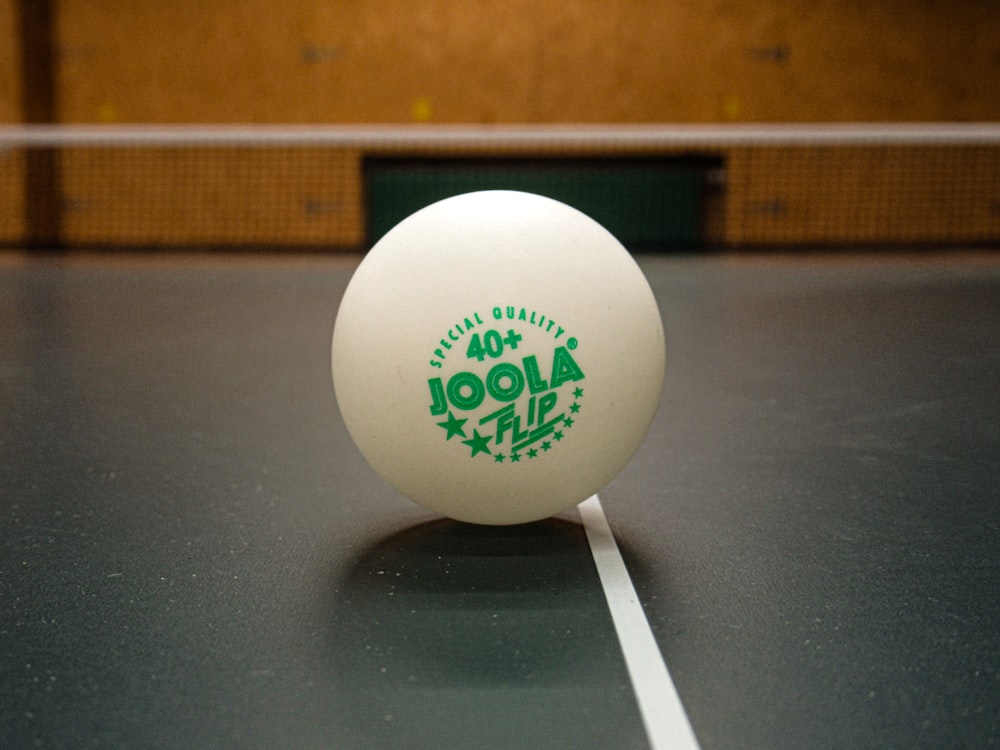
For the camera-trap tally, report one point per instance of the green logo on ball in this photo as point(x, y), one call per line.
point(510, 385)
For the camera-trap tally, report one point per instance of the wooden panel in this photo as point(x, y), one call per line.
point(10, 64)
point(512, 61)
point(863, 195)
point(12, 209)
point(228, 196)
point(11, 162)
point(257, 61)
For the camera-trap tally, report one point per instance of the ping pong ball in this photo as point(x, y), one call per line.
point(498, 357)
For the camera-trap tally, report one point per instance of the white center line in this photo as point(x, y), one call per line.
point(667, 725)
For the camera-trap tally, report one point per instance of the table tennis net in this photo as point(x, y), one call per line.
point(333, 188)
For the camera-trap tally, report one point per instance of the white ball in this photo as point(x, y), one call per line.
point(498, 357)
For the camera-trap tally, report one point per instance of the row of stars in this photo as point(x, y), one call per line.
point(480, 443)
point(533, 452)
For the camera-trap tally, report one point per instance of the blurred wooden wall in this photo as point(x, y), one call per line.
point(515, 61)
point(492, 61)
point(10, 66)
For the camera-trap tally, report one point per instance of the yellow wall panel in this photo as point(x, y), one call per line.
point(11, 162)
point(226, 196)
point(12, 209)
point(866, 195)
point(10, 64)
point(533, 61)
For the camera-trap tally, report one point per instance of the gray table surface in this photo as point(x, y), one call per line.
point(194, 555)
